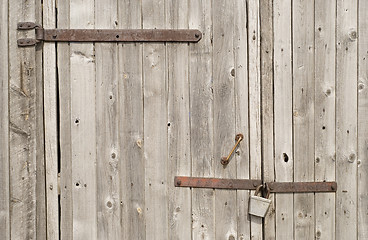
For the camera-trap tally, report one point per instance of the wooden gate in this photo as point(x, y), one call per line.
point(93, 134)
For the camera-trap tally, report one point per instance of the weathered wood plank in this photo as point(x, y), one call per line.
point(107, 127)
point(363, 121)
point(303, 113)
point(346, 120)
point(64, 83)
point(267, 83)
point(267, 108)
point(325, 15)
point(51, 125)
point(155, 87)
point(284, 171)
point(241, 113)
point(131, 111)
point(201, 118)
point(26, 128)
point(4, 125)
point(224, 115)
point(180, 224)
point(255, 135)
point(83, 130)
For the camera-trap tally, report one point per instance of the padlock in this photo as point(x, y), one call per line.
point(258, 206)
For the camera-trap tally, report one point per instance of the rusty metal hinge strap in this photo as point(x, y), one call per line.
point(107, 35)
point(249, 184)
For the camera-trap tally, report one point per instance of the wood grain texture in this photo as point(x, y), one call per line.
point(283, 127)
point(65, 124)
point(346, 120)
point(51, 124)
point(4, 125)
point(26, 129)
point(267, 108)
point(131, 113)
point(224, 115)
point(254, 66)
point(107, 127)
point(363, 120)
point(303, 114)
point(41, 231)
point(83, 130)
point(155, 87)
point(241, 113)
point(178, 125)
point(201, 118)
point(324, 118)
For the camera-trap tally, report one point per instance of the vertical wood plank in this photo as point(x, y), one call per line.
point(83, 130)
point(178, 123)
point(241, 113)
point(224, 115)
point(362, 121)
point(325, 19)
point(4, 125)
point(303, 113)
point(107, 127)
point(266, 31)
point(283, 131)
point(65, 138)
point(40, 155)
point(346, 120)
point(131, 126)
point(201, 118)
point(26, 128)
point(254, 105)
point(51, 134)
point(155, 124)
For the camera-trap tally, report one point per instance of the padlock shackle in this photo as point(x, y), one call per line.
point(268, 190)
point(258, 190)
point(265, 187)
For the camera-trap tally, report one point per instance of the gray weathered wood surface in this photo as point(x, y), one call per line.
point(362, 159)
point(4, 125)
point(130, 98)
point(346, 119)
point(201, 118)
point(178, 123)
point(267, 108)
point(26, 149)
point(51, 125)
point(303, 113)
point(117, 121)
point(324, 115)
point(283, 115)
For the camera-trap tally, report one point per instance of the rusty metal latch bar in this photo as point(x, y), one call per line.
point(250, 184)
point(106, 35)
point(301, 187)
point(220, 183)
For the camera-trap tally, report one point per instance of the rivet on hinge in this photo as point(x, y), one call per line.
point(27, 25)
point(26, 42)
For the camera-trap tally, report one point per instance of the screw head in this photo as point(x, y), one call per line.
point(224, 161)
point(239, 136)
point(178, 182)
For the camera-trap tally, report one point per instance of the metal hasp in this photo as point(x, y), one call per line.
point(218, 183)
point(249, 184)
point(106, 35)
